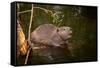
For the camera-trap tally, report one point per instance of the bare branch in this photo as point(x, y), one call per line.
point(18, 6)
point(46, 10)
point(27, 55)
point(29, 35)
point(30, 23)
point(24, 11)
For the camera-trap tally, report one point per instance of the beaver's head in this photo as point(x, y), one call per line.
point(65, 32)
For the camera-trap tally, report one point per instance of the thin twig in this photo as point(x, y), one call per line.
point(24, 11)
point(36, 8)
point(30, 23)
point(29, 35)
point(18, 9)
point(27, 55)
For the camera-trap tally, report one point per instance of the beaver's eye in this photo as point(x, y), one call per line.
point(63, 29)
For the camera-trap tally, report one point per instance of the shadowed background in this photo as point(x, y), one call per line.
point(82, 20)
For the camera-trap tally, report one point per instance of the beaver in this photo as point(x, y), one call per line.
point(49, 34)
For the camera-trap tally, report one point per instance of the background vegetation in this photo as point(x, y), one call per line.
point(82, 20)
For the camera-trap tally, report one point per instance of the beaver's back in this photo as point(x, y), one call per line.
point(44, 31)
